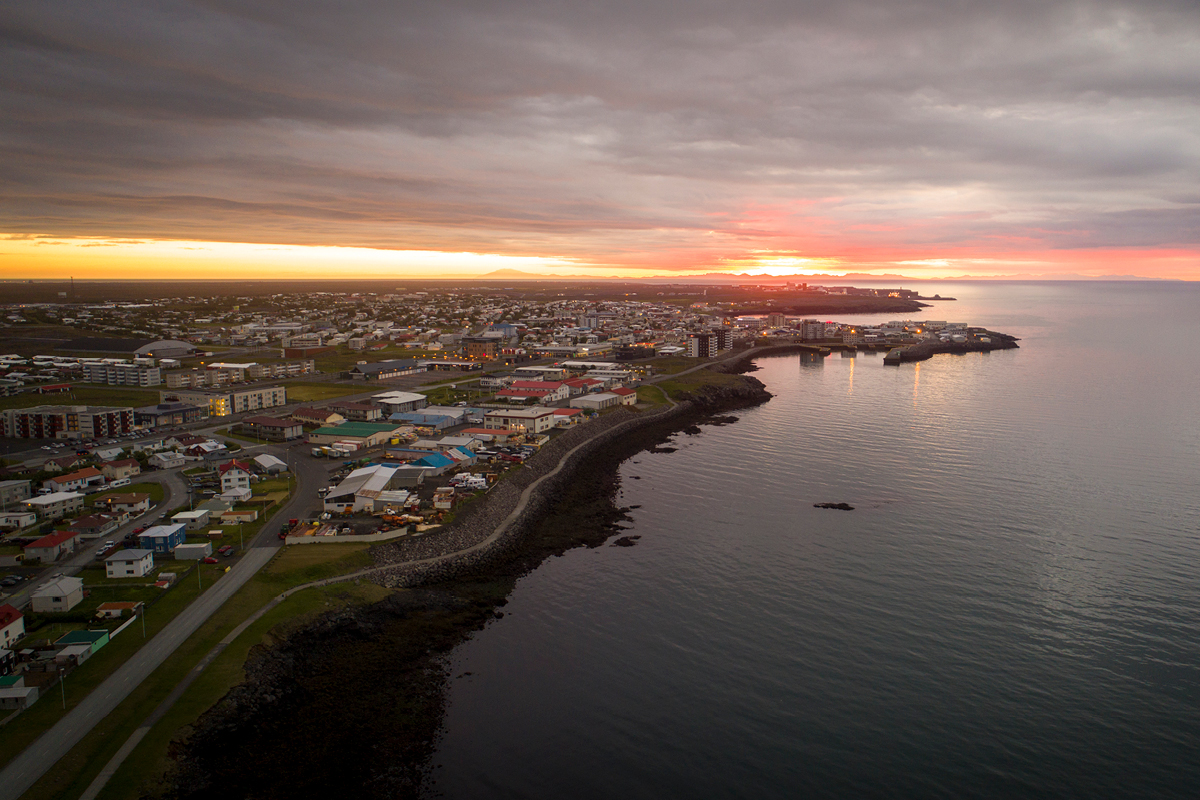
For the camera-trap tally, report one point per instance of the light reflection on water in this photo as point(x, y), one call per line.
point(1012, 609)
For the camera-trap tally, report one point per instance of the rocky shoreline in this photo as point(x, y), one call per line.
point(355, 699)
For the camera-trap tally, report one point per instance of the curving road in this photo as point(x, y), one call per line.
point(24, 770)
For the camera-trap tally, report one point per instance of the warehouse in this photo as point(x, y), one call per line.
point(365, 434)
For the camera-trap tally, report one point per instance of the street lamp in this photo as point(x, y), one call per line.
point(62, 684)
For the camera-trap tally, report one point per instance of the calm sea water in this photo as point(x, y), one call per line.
point(1012, 610)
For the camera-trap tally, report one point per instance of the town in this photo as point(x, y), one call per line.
point(158, 448)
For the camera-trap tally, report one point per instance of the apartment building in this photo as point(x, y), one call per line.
point(66, 422)
point(122, 374)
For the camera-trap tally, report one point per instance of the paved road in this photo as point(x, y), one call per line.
point(23, 771)
point(174, 492)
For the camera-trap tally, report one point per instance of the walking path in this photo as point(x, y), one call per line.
point(23, 771)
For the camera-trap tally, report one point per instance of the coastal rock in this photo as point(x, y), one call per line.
point(626, 541)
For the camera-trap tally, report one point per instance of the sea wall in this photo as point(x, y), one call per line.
point(495, 528)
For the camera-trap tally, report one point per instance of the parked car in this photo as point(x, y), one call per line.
point(226, 551)
point(210, 560)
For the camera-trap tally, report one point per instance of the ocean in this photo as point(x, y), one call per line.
point(1012, 609)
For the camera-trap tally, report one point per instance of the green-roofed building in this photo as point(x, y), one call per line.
point(366, 434)
point(96, 639)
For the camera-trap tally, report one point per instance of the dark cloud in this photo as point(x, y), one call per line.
point(603, 129)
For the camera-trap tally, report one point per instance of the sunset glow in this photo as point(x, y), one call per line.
point(765, 139)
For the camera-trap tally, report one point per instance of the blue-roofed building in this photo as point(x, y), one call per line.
point(437, 462)
point(163, 538)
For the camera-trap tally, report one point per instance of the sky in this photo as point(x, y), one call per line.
point(285, 138)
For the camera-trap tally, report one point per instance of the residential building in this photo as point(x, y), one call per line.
point(478, 348)
point(75, 481)
point(168, 460)
point(162, 539)
point(222, 404)
point(13, 492)
point(193, 520)
point(357, 412)
point(526, 420)
point(59, 595)
point(122, 374)
point(93, 526)
point(130, 503)
point(234, 475)
point(66, 422)
point(125, 468)
point(52, 546)
point(704, 345)
point(55, 505)
point(316, 416)
point(17, 520)
point(134, 563)
point(168, 414)
point(400, 402)
point(12, 626)
point(272, 429)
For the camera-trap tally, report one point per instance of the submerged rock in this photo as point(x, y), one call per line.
point(838, 506)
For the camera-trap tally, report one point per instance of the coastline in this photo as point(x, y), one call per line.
point(311, 677)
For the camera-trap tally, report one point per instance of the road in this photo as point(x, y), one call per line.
point(174, 491)
point(23, 771)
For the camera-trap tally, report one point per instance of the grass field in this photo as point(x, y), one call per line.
point(84, 395)
point(651, 395)
point(695, 380)
point(145, 766)
point(301, 392)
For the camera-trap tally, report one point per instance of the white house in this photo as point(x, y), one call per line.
point(168, 460)
point(134, 563)
point(234, 475)
point(61, 594)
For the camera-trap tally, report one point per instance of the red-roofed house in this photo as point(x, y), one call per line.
point(12, 625)
point(628, 396)
point(125, 468)
point(75, 481)
point(234, 475)
point(51, 547)
point(523, 395)
point(555, 390)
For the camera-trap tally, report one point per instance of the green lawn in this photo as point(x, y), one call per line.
point(294, 566)
point(695, 380)
point(301, 392)
point(84, 395)
point(651, 395)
